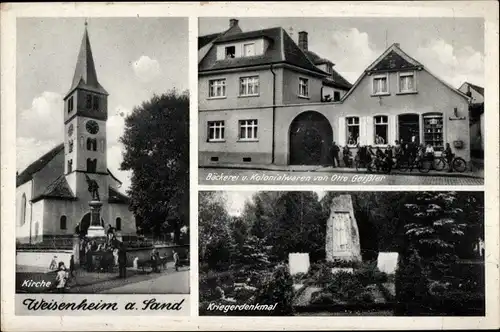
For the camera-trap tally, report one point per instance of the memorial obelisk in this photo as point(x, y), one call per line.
point(342, 234)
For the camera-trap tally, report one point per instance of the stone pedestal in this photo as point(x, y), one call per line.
point(342, 234)
point(76, 249)
point(95, 229)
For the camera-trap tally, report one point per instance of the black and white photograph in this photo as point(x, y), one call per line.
point(341, 100)
point(328, 253)
point(102, 181)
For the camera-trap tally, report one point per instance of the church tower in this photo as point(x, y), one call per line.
point(85, 116)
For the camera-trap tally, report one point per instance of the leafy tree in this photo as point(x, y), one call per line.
point(156, 141)
point(214, 230)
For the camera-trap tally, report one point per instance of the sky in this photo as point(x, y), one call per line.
point(235, 200)
point(134, 58)
point(451, 48)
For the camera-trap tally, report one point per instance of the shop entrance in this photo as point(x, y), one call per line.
point(409, 125)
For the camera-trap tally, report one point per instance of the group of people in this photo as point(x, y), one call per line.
point(393, 154)
point(157, 261)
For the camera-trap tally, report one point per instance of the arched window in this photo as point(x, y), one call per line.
point(91, 165)
point(118, 225)
point(62, 222)
point(24, 206)
point(91, 144)
point(70, 143)
point(102, 145)
point(70, 166)
point(82, 141)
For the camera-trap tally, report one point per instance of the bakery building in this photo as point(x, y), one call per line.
point(266, 99)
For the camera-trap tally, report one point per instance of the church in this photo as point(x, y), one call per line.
point(52, 193)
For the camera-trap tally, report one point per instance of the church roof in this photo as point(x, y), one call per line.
point(37, 165)
point(85, 76)
point(114, 196)
point(59, 189)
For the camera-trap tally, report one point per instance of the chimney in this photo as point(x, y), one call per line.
point(303, 40)
point(233, 22)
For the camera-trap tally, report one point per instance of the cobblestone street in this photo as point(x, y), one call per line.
point(226, 176)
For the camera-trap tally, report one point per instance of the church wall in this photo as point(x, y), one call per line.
point(76, 210)
point(127, 217)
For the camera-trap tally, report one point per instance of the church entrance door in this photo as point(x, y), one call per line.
point(310, 139)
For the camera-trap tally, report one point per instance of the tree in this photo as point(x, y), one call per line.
point(215, 242)
point(156, 141)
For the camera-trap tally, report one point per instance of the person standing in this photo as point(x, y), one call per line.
point(176, 260)
point(72, 266)
point(448, 154)
point(61, 278)
point(335, 155)
point(122, 261)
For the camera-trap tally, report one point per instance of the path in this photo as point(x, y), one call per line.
point(170, 283)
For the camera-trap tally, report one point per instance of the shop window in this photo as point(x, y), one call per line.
point(352, 131)
point(215, 131)
point(381, 129)
point(248, 130)
point(433, 130)
point(62, 222)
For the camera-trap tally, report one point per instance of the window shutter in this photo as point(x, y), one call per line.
point(392, 129)
point(341, 130)
point(369, 130)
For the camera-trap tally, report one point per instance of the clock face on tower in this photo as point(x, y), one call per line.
point(92, 127)
point(70, 130)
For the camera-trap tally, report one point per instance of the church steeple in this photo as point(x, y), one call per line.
point(85, 75)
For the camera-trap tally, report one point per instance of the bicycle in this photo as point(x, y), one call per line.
point(423, 165)
point(458, 164)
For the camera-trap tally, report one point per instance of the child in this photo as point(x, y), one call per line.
point(53, 263)
point(61, 278)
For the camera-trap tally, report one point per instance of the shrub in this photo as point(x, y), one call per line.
point(368, 273)
point(344, 285)
point(321, 297)
point(278, 289)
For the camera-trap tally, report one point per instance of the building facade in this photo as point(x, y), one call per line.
point(476, 117)
point(265, 99)
point(52, 195)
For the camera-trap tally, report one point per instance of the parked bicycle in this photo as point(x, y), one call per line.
point(458, 164)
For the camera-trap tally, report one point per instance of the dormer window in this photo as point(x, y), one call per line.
point(329, 68)
point(249, 49)
point(230, 52)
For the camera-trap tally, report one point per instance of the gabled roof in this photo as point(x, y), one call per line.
point(204, 40)
point(390, 59)
point(116, 197)
point(85, 75)
point(281, 49)
point(59, 189)
point(478, 88)
point(37, 165)
point(335, 79)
